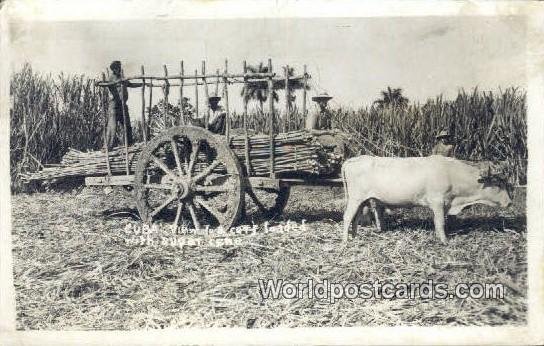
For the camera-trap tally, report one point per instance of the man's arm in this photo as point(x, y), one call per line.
point(133, 85)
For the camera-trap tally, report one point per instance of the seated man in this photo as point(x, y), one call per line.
point(217, 122)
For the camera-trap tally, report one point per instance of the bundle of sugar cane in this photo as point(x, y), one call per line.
point(280, 139)
point(293, 152)
point(77, 163)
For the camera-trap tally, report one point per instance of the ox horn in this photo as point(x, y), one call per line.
point(486, 173)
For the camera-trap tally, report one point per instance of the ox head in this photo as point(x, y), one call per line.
point(496, 187)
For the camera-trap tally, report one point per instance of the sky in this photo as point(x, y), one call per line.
point(352, 59)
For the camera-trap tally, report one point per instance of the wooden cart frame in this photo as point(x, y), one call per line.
point(194, 163)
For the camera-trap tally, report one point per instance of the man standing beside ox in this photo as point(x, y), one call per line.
point(445, 145)
point(118, 105)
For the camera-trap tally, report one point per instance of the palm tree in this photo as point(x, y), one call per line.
point(294, 84)
point(258, 90)
point(392, 98)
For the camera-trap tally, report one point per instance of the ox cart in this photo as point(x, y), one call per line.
point(188, 174)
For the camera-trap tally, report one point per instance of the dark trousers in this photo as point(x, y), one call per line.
point(218, 125)
point(115, 115)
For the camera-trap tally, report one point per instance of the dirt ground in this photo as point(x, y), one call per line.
point(74, 269)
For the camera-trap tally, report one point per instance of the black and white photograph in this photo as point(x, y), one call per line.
point(175, 171)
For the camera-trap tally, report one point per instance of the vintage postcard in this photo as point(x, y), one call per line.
point(272, 172)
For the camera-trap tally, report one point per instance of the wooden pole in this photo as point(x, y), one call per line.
point(253, 76)
point(104, 96)
point(125, 125)
point(181, 82)
point(217, 83)
point(149, 108)
point(246, 137)
point(196, 97)
point(271, 117)
point(304, 96)
point(166, 91)
point(287, 101)
point(206, 95)
point(226, 83)
point(143, 127)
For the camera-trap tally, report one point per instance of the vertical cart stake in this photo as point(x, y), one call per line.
point(124, 120)
point(166, 91)
point(287, 100)
point(227, 119)
point(246, 137)
point(144, 128)
point(104, 104)
point(196, 98)
point(206, 94)
point(150, 105)
point(271, 116)
point(304, 92)
point(181, 81)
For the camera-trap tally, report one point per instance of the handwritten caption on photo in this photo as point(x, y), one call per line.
point(137, 234)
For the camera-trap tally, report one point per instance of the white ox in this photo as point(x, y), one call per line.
point(444, 184)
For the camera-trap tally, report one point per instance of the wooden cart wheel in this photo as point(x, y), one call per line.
point(267, 203)
point(188, 176)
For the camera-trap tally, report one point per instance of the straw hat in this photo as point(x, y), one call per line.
point(443, 134)
point(322, 97)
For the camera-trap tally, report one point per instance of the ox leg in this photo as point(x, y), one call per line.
point(378, 212)
point(439, 221)
point(349, 214)
point(365, 215)
point(360, 219)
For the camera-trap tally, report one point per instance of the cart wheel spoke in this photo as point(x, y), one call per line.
point(163, 166)
point(158, 186)
point(192, 211)
point(178, 213)
point(194, 156)
point(176, 155)
point(157, 210)
point(267, 203)
point(212, 188)
point(257, 202)
point(215, 213)
point(206, 172)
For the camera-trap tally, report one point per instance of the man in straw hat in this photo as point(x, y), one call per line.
point(321, 120)
point(217, 121)
point(444, 146)
point(118, 104)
